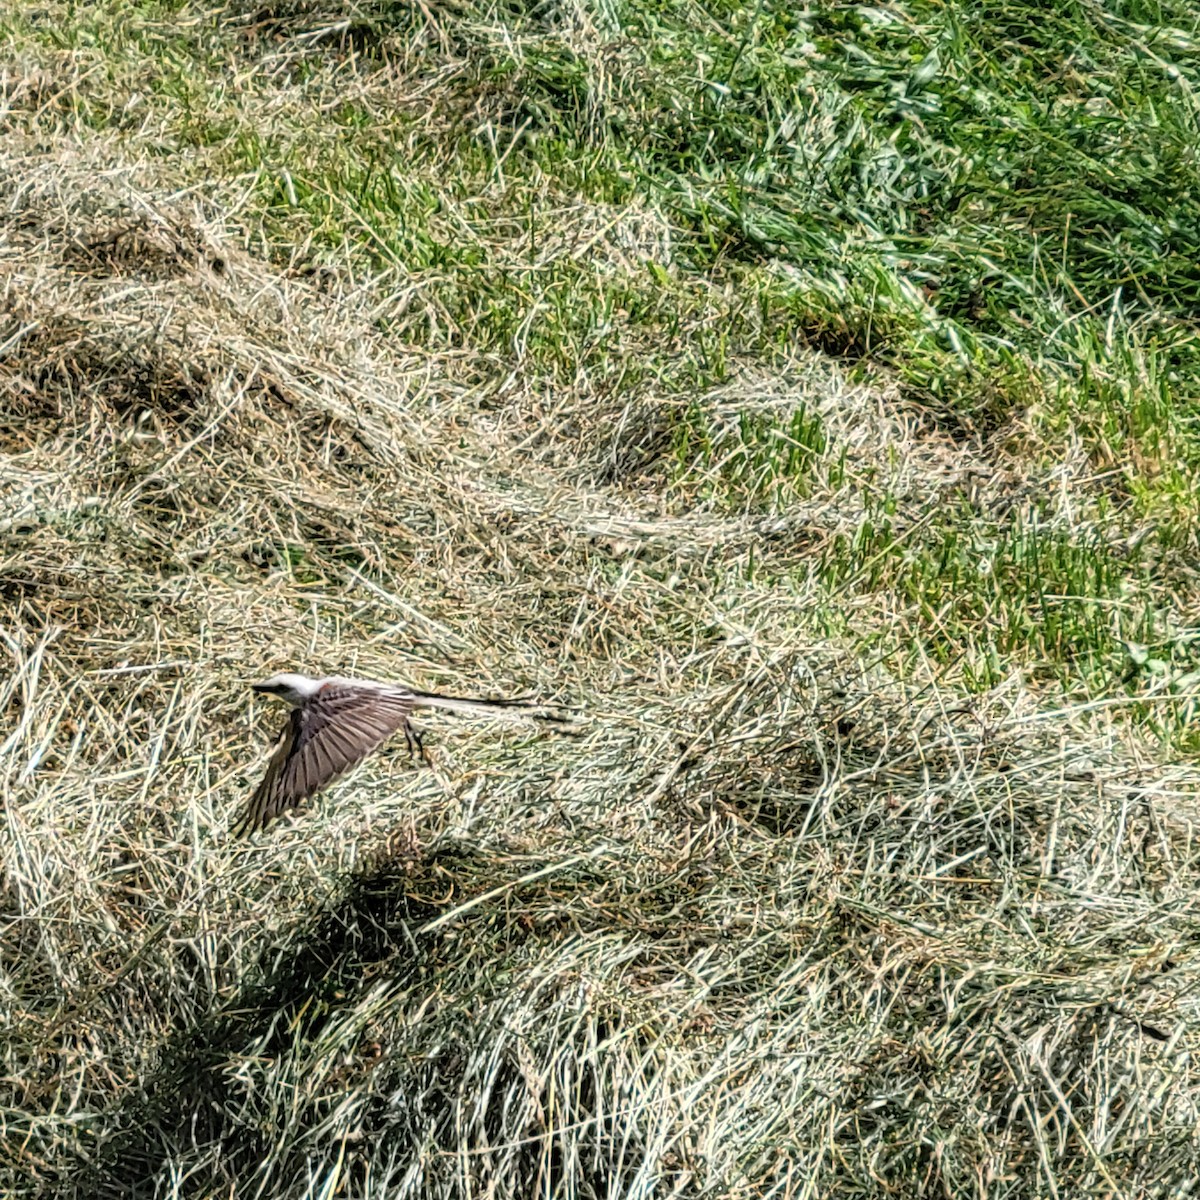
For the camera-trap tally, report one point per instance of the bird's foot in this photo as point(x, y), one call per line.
point(416, 744)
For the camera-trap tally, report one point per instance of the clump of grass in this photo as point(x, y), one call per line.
point(1000, 594)
point(760, 458)
point(760, 385)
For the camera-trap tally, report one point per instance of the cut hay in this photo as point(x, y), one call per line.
point(780, 920)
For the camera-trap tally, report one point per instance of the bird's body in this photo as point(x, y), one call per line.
point(334, 724)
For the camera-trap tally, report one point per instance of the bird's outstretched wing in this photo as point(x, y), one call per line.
point(333, 732)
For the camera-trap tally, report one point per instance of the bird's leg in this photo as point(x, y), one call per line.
point(416, 746)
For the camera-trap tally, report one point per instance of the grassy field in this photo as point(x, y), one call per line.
point(807, 397)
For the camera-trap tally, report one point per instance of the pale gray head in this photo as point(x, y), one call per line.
point(295, 689)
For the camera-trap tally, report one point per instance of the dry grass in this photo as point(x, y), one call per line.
point(797, 912)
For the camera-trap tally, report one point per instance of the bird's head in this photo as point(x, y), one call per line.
point(294, 689)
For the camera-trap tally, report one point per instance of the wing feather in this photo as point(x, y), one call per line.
point(335, 731)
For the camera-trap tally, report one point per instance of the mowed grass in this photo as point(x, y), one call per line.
point(807, 398)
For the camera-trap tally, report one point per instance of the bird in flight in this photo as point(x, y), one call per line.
point(334, 724)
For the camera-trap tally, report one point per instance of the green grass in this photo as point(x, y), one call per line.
point(759, 459)
point(807, 395)
point(994, 596)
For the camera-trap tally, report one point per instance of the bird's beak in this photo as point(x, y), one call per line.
point(261, 688)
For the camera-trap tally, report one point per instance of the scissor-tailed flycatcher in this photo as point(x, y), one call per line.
point(334, 724)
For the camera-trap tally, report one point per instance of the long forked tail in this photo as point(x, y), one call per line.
point(524, 706)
